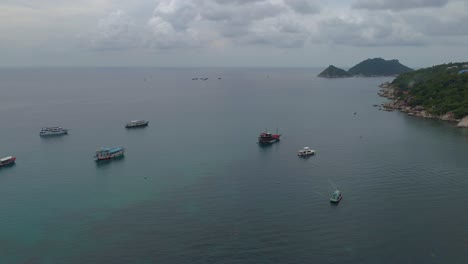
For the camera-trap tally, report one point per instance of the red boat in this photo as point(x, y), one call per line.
point(7, 161)
point(268, 138)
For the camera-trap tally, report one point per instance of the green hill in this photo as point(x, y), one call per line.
point(334, 72)
point(439, 89)
point(378, 67)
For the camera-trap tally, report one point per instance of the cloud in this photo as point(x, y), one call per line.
point(240, 15)
point(449, 21)
point(116, 31)
point(178, 13)
point(237, 2)
point(370, 30)
point(175, 24)
point(397, 5)
point(163, 35)
point(172, 25)
point(303, 6)
point(178, 23)
point(281, 32)
point(237, 23)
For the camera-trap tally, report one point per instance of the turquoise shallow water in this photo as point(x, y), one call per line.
point(194, 186)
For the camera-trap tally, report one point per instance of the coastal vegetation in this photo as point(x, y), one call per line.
point(439, 90)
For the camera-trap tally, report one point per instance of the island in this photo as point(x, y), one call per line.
point(368, 68)
point(378, 67)
point(334, 72)
point(439, 92)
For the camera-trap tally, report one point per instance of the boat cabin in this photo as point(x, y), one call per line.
point(336, 197)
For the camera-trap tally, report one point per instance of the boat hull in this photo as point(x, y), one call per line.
point(137, 126)
point(103, 154)
point(335, 201)
point(50, 134)
point(267, 142)
point(8, 162)
point(111, 157)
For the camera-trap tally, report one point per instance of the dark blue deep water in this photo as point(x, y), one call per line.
point(195, 187)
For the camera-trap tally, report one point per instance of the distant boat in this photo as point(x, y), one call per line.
point(53, 131)
point(137, 123)
point(7, 161)
point(109, 153)
point(305, 152)
point(336, 197)
point(268, 138)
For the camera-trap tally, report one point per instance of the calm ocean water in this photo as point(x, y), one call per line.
point(195, 187)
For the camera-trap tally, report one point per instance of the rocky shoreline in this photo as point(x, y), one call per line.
point(388, 91)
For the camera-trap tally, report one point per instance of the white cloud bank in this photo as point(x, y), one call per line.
point(283, 24)
point(288, 26)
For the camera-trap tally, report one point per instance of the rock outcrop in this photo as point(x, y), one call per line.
point(448, 117)
point(463, 123)
point(402, 105)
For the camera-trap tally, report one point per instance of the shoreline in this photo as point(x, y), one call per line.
point(388, 91)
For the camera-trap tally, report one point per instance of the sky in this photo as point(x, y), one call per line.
point(231, 33)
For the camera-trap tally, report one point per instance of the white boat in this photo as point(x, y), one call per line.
point(7, 161)
point(136, 123)
point(305, 152)
point(53, 131)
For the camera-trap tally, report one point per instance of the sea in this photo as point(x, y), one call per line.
point(195, 187)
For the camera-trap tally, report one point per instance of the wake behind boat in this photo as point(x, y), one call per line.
point(109, 153)
point(7, 161)
point(137, 123)
point(53, 131)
